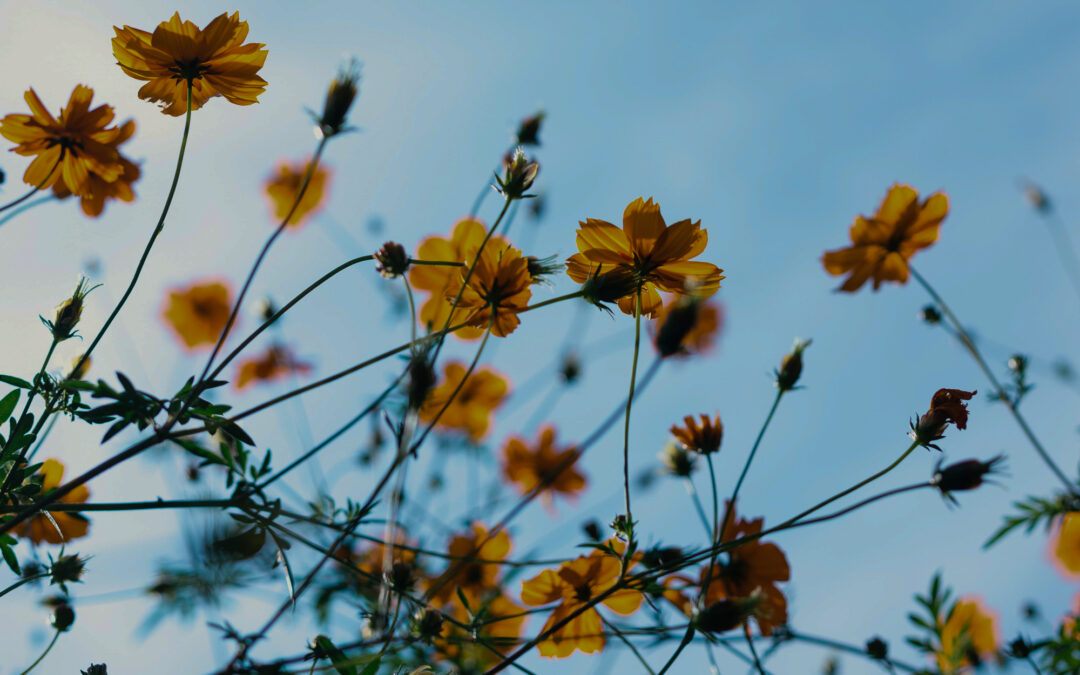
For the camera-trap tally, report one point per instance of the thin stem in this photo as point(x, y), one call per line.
point(1066, 252)
point(26, 207)
point(715, 534)
point(687, 639)
point(851, 649)
point(753, 650)
point(969, 344)
point(628, 643)
point(23, 581)
point(626, 423)
point(43, 654)
point(698, 507)
point(150, 244)
point(37, 187)
point(26, 409)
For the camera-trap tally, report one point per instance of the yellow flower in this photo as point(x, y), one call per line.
point(214, 60)
point(98, 189)
point(704, 438)
point(476, 580)
point(969, 631)
point(883, 244)
point(471, 410)
point(275, 363)
point(70, 148)
point(1065, 545)
point(197, 314)
point(283, 185)
point(543, 465)
point(657, 255)
point(701, 338)
point(72, 525)
point(499, 284)
point(572, 585)
point(500, 624)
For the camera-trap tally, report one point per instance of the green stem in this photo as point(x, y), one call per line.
point(37, 187)
point(626, 422)
point(27, 207)
point(715, 534)
point(22, 581)
point(25, 410)
point(753, 650)
point(698, 507)
point(628, 643)
point(43, 654)
point(687, 639)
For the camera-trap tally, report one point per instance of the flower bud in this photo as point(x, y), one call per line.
point(1020, 648)
point(677, 460)
point(610, 286)
point(391, 260)
point(592, 530)
point(722, 616)
point(677, 324)
point(96, 669)
point(68, 313)
point(542, 268)
point(266, 309)
point(1036, 197)
point(623, 526)
point(877, 649)
point(67, 568)
point(791, 366)
point(421, 378)
point(966, 475)
point(427, 624)
point(570, 368)
point(519, 172)
point(339, 98)
point(930, 315)
point(80, 365)
point(528, 132)
point(401, 576)
point(62, 617)
point(662, 558)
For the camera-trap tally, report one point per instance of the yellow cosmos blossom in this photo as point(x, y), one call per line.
point(502, 623)
point(68, 149)
point(213, 59)
point(276, 362)
point(969, 630)
point(197, 314)
point(98, 189)
point(572, 585)
point(72, 525)
point(701, 338)
point(283, 185)
point(881, 245)
point(658, 256)
point(476, 580)
point(499, 285)
point(472, 408)
point(1065, 545)
point(542, 465)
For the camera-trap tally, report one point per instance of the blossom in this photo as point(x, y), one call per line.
point(475, 579)
point(198, 313)
point(497, 289)
point(72, 525)
point(435, 311)
point(213, 60)
point(472, 408)
point(1065, 545)
point(751, 566)
point(704, 437)
point(369, 561)
point(883, 244)
point(572, 585)
point(700, 338)
point(969, 634)
point(947, 406)
point(98, 189)
point(657, 255)
point(70, 148)
point(275, 363)
point(283, 186)
point(543, 466)
point(498, 624)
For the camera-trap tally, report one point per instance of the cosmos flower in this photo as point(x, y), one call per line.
point(499, 623)
point(276, 362)
point(657, 255)
point(476, 580)
point(882, 245)
point(283, 185)
point(198, 313)
point(1065, 545)
point(72, 525)
point(472, 408)
point(543, 464)
point(497, 289)
point(98, 190)
point(704, 437)
point(701, 336)
point(213, 59)
point(947, 406)
point(968, 636)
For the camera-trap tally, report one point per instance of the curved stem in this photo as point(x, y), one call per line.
point(37, 187)
point(969, 344)
point(43, 654)
point(687, 639)
point(626, 423)
point(26, 207)
point(23, 581)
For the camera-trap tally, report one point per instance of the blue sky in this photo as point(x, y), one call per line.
point(773, 123)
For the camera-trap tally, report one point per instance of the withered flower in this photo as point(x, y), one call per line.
point(946, 406)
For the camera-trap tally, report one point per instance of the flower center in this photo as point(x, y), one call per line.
point(189, 70)
point(583, 593)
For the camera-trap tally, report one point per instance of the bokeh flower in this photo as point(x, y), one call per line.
point(498, 624)
point(542, 465)
point(882, 245)
point(472, 408)
point(276, 362)
point(968, 636)
point(283, 185)
point(72, 525)
point(704, 437)
point(198, 313)
point(659, 256)
point(1065, 545)
point(572, 585)
point(700, 338)
point(214, 60)
point(475, 579)
point(497, 289)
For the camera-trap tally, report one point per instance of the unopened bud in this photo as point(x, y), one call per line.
point(592, 530)
point(1020, 648)
point(570, 369)
point(877, 648)
point(609, 286)
point(791, 366)
point(427, 624)
point(528, 132)
point(722, 616)
point(67, 568)
point(421, 378)
point(401, 576)
point(339, 98)
point(79, 367)
point(391, 260)
point(662, 558)
point(677, 460)
point(62, 617)
point(966, 475)
point(96, 669)
point(68, 313)
point(542, 268)
point(1036, 197)
point(519, 172)
point(677, 324)
point(930, 315)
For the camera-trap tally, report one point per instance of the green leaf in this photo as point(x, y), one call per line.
point(338, 658)
point(9, 557)
point(7, 405)
point(15, 382)
point(371, 668)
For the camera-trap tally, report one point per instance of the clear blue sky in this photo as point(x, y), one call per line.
point(774, 123)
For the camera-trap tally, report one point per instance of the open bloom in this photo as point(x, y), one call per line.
point(572, 585)
point(498, 624)
point(283, 186)
point(476, 580)
point(435, 311)
point(655, 254)
point(197, 314)
point(543, 465)
point(700, 336)
point(98, 189)
point(473, 406)
point(947, 406)
point(276, 362)
point(970, 635)
point(881, 245)
point(497, 290)
point(72, 525)
point(68, 149)
point(1065, 545)
point(704, 437)
point(213, 59)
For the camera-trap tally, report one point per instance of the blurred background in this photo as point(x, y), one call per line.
point(775, 124)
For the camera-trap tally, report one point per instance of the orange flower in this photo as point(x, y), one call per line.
point(499, 285)
point(273, 364)
point(472, 408)
point(753, 565)
point(283, 185)
point(545, 465)
point(198, 313)
point(1069, 622)
point(704, 438)
point(475, 579)
point(882, 245)
point(573, 584)
point(98, 189)
point(499, 625)
point(369, 561)
point(467, 236)
point(70, 148)
point(213, 60)
point(1065, 545)
point(701, 338)
point(946, 406)
point(658, 256)
point(969, 630)
point(72, 525)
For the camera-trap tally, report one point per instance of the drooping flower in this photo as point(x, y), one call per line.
point(947, 406)
point(700, 336)
point(472, 408)
point(72, 525)
point(572, 585)
point(1065, 545)
point(657, 255)
point(968, 636)
point(477, 580)
point(497, 289)
point(466, 236)
point(198, 313)
point(276, 362)
point(704, 437)
point(882, 245)
point(542, 465)
point(70, 148)
point(214, 60)
point(283, 185)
